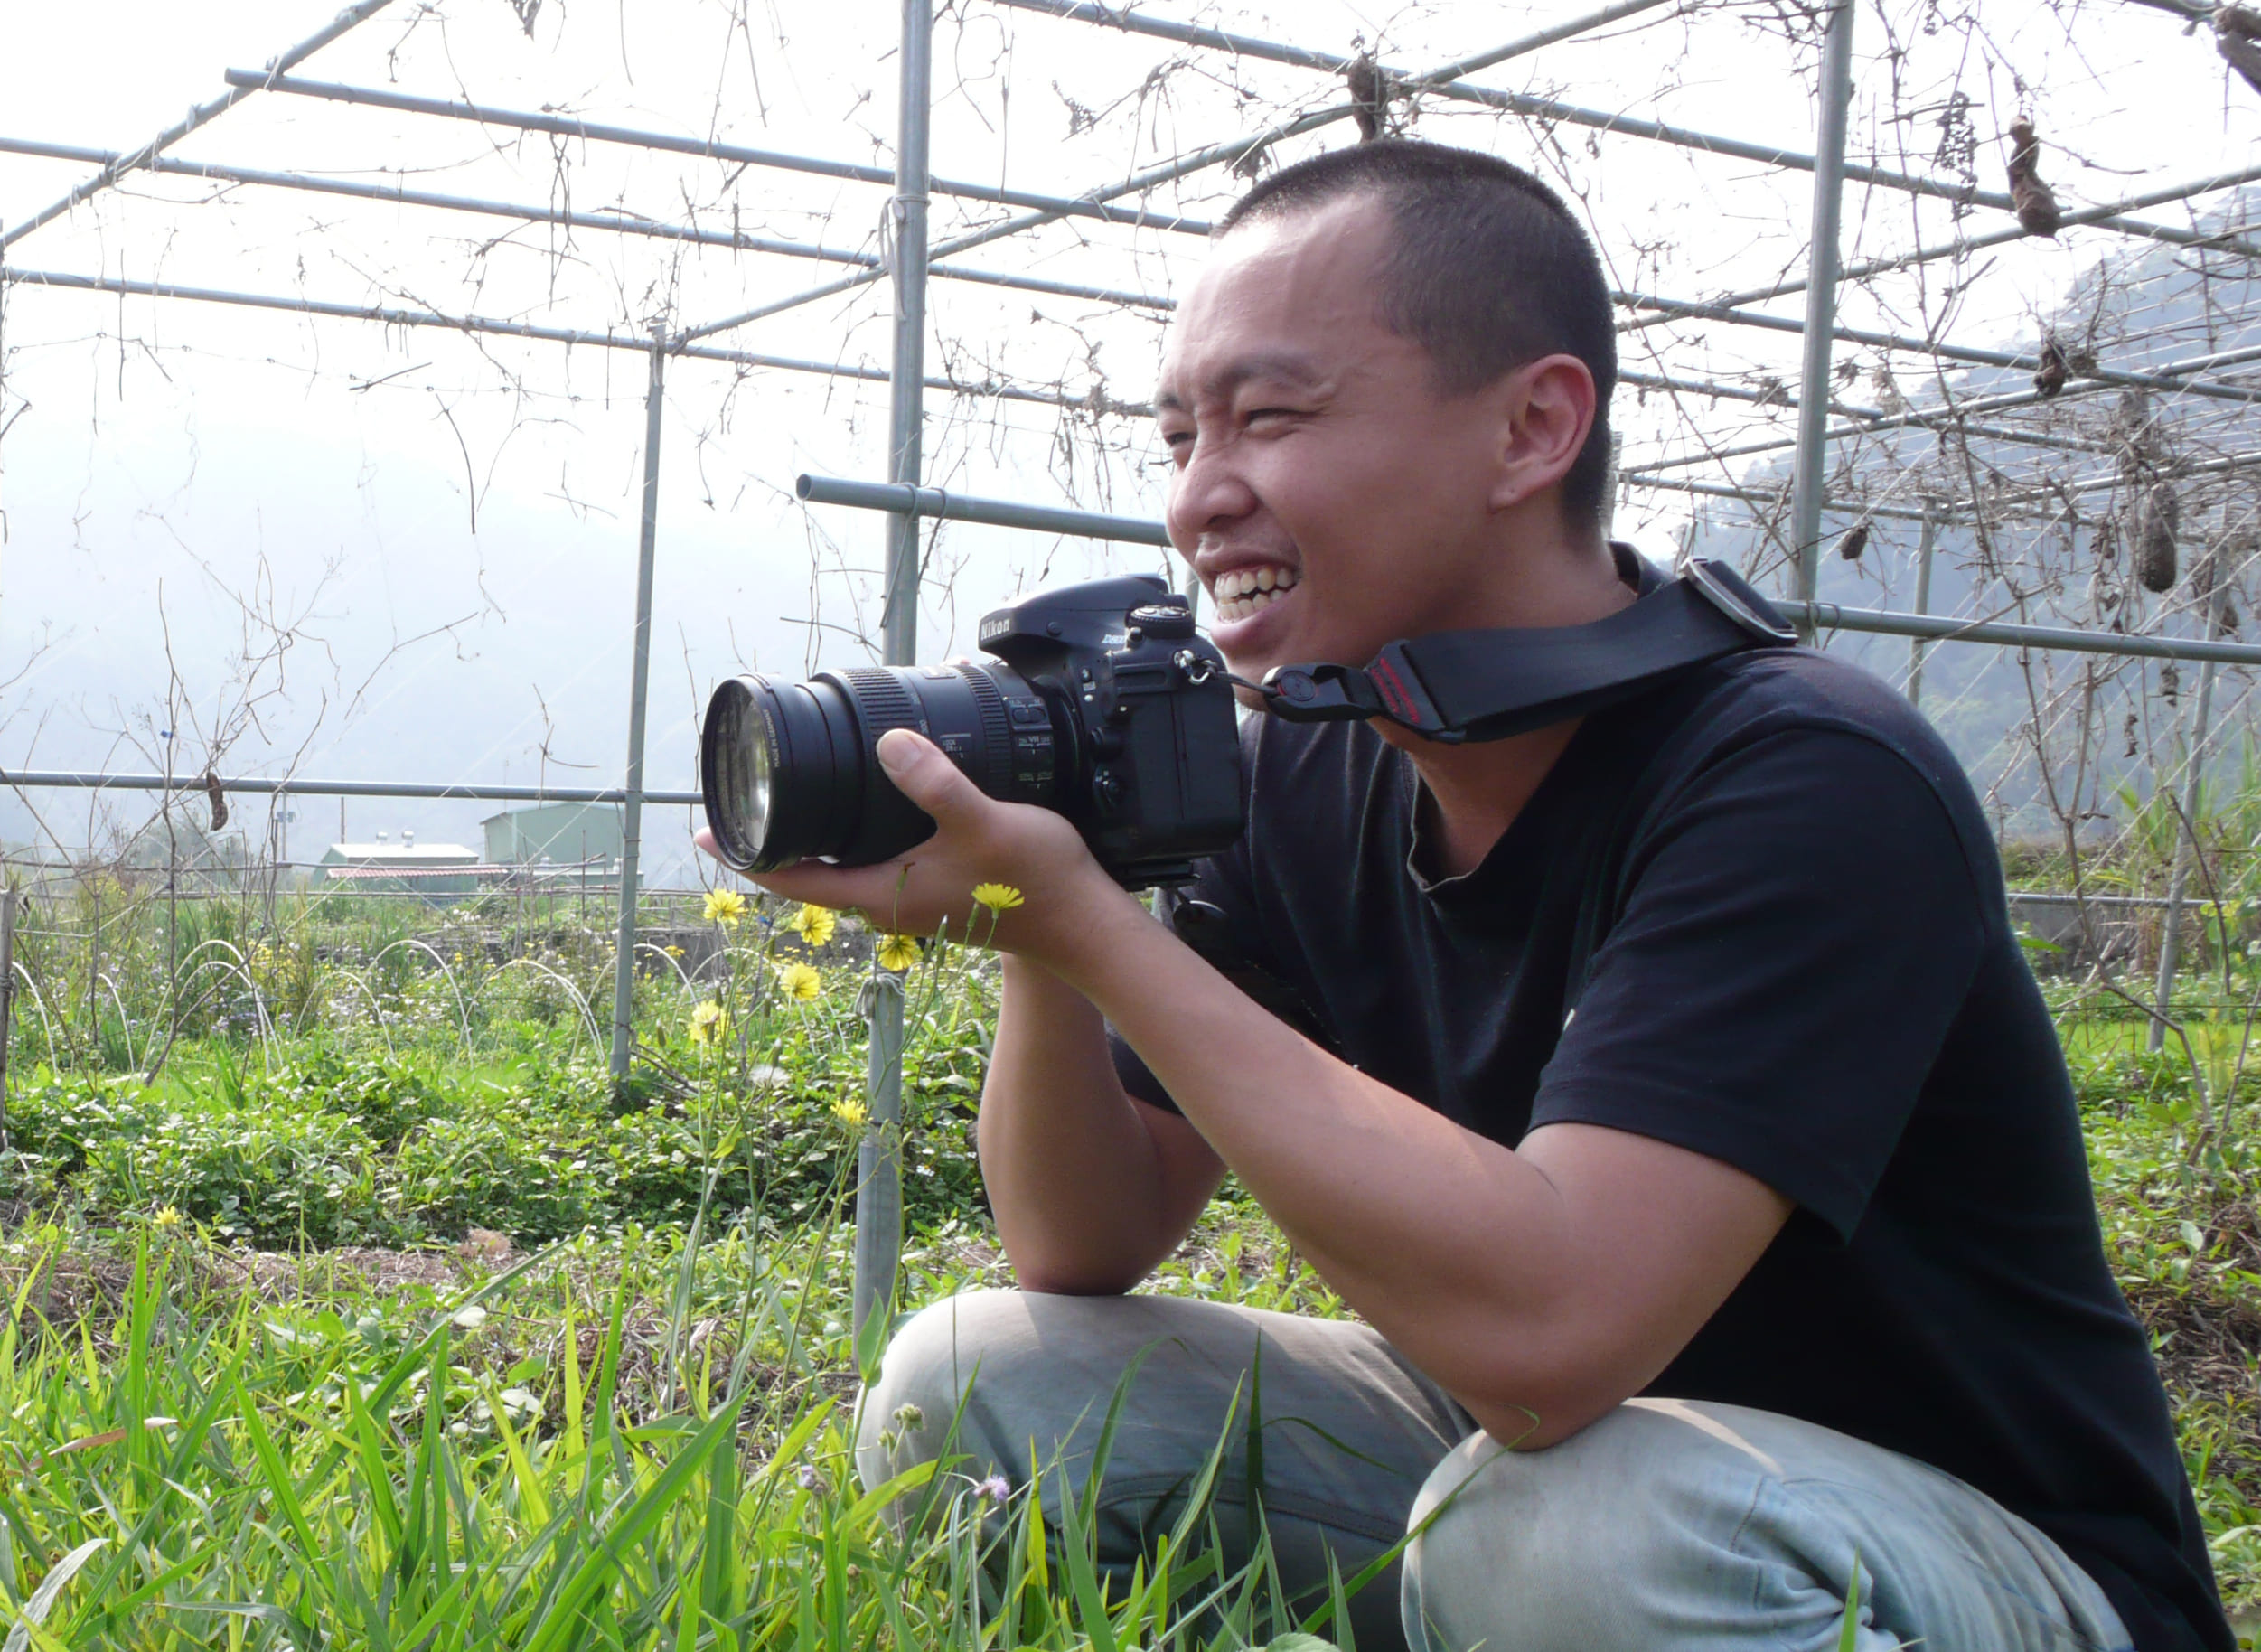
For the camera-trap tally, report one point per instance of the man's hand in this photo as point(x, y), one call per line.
point(977, 840)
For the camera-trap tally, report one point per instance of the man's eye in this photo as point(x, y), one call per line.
point(1257, 413)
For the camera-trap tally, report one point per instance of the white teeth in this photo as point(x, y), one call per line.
point(1244, 591)
point(1247, 591)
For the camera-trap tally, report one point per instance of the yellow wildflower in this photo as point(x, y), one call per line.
point(851, 1113)
point(725, 907)
point(898, 953)
point(996, 897)
point(167, 1216)
point(801, 982)
point(709, 1022)
point(814, 923)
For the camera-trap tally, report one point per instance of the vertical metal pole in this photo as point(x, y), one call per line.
point(639, 674)
point(1821, 297)
point(2186, 827)
point(1927, 542)
point(880, 1156)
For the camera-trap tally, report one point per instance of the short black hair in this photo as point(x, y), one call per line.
point(1488, 272)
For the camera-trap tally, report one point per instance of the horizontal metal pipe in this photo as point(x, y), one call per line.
point(1995, 238)
point(1863, 421)
point(1545, 109)
point(735, 153)
point(1781, 498)
point(1829, 616)
point(89, 780)
point(895, 496)
point(1946, 352)
point(617, 223)
point(237, 91)
point(390, 315)
point(1821, 615)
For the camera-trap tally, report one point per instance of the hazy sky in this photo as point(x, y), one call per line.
point(447, 523)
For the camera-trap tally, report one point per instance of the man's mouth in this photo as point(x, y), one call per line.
point(1249, 591)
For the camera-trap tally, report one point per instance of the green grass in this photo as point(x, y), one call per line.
point(263, 1385)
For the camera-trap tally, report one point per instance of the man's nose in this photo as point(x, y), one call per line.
point(1209, 492)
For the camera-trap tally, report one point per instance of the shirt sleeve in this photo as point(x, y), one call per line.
point(1800, 932)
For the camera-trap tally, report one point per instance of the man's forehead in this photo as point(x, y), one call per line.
point(1280, 299)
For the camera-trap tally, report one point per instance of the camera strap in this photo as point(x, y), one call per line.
point(1457, 686)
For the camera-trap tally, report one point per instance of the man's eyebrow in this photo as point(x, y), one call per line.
point(1284, 367)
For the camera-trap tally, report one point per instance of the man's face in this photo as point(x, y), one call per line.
point(1329, 494)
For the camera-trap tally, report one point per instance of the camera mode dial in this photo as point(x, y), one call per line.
point(1165, 622)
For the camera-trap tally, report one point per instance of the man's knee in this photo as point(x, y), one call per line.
point(923, 1375)
point(1627, 1534)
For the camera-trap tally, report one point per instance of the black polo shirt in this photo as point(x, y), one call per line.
point(1757, 914)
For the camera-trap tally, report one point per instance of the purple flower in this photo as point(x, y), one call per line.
point(994, 1490)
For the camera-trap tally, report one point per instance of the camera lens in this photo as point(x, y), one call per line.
point(790, 770)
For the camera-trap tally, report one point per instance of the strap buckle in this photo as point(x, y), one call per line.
point(1725, 590)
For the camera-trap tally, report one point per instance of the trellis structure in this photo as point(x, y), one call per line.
point(1791, 519)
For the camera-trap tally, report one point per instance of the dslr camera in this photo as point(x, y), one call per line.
point(1103, 706)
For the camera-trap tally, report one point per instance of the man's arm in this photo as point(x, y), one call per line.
point(1541, 1286)
point(1091, 1186)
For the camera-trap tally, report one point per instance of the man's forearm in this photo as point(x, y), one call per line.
point(1087, 1197)
point(1491, 1269)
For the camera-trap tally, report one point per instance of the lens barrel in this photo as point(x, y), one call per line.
point(789, 771)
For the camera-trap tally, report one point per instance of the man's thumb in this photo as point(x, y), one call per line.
point(922, 772)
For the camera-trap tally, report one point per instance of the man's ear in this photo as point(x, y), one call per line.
point(1546, 409)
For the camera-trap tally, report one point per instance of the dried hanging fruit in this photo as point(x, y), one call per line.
point(2237, 37)
point(1856, 541)
point(2158, 520)
point(220, 799)
point(2036, 204)
point(2056, 369)
point(1370, 98)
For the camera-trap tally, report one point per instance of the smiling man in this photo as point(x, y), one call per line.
point(1663, 1090)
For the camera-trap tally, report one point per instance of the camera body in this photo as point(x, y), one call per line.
point(1145, 740)
point(1104, 707)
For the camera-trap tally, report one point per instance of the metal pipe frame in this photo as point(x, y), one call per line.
point(737, 155)
point(1811, 615)
point(1809, 484)
point(612, 222)
point(1184, 165)
point(202, 115)
point(87, 780)
point(1544, 109)
point(390, 315)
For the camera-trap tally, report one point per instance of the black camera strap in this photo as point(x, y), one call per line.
point(1456, 686)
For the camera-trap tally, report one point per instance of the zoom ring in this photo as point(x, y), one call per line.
point(882, 703)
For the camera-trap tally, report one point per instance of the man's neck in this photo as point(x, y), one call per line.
point(1475, 792)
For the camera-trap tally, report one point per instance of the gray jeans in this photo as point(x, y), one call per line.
point(1668, 1526)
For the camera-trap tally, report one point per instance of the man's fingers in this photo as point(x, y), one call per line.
point(923, 774)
